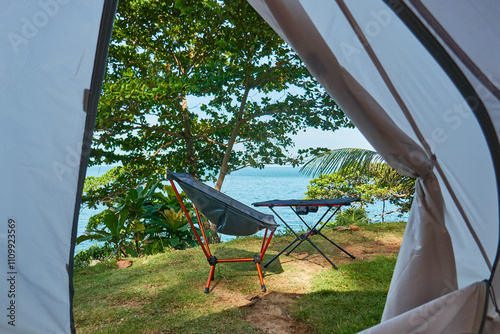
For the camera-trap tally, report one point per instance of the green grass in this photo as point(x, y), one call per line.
point(164, 293)
point(353, 297)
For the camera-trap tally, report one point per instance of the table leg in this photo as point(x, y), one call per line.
point(283, 250)
point(319, 250)
point(302, 238)
point(333, 243)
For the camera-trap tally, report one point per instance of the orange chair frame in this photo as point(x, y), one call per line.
point(212, 260)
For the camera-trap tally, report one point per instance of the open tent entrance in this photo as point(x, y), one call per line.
point(419, 78)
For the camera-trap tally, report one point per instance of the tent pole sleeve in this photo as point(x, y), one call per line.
point(189, 219)
point(202, 230)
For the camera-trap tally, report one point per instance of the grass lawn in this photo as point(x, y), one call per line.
point(164, 293)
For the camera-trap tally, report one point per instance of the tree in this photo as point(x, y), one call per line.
point(204, 87)
point(358, 172)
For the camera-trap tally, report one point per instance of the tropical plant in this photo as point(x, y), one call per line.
point(351, 216)
point(142, 221)
point(112, 230)
point(95, 252)
point(358, 159)
point(205, 87)
point(169, 228)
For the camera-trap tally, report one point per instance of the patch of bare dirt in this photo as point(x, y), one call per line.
point(271, 316)
point(388, 245)
point(229, 297)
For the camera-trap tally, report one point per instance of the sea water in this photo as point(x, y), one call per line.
point(252, 185)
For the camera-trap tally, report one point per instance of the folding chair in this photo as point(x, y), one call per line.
point(230, 216)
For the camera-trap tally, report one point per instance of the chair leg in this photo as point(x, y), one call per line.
point(261, 277)
point(210, 278)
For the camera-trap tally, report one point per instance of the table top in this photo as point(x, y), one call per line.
point(308, 202)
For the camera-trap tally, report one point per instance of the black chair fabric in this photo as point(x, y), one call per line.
point(230, 216)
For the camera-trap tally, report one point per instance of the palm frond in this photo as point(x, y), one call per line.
point(343, 159)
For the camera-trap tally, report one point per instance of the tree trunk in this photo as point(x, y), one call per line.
point(230, 144)
point(383, 210)
point(229, 148)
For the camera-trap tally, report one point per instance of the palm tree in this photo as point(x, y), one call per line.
point(366, 162)
point(341, 159)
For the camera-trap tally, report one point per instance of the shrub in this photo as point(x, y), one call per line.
point(95, 252)
point(142, 221)
point(371, 186)
point(351, 216)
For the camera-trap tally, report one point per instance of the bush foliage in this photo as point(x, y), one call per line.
point(373, 185)
point(142, 221)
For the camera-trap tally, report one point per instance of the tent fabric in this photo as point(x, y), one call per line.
point(308, 202)
point(230, 216)
point(420, 79)
point(459, 311)
point(51, 69)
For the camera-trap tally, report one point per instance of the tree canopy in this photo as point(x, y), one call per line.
point(201, 86)
point(370, 186)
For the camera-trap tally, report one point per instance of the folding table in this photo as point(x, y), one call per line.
point(302, 207)
point(230, 216)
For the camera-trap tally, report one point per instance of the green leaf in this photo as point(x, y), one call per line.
point(111, 222)
point(174, 241)
point(123, 215)
point(86, 237)
point(163, 60)
point(139, 227)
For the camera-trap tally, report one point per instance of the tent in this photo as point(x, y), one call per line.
point(420, 79)
point(52, 63)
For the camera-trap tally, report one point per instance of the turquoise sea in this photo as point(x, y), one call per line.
point(251, 185)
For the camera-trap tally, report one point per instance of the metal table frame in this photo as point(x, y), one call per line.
point(312, 230)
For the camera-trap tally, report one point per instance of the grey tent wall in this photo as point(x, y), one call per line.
point(52, 64)
point(91, 100)
point(463, 228)
point(467, 90)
